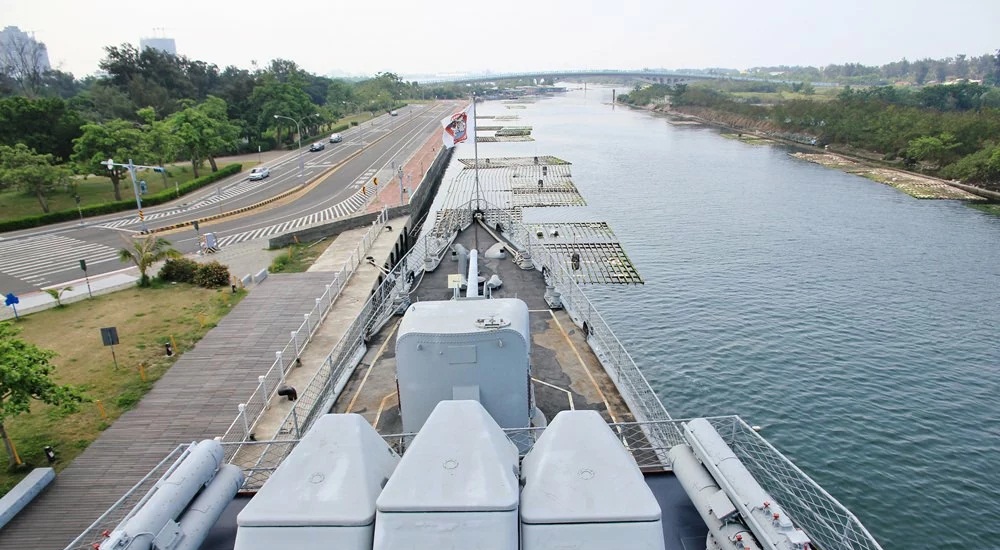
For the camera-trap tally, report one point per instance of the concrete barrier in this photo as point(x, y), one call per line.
point(260, 276)
point(24, 492)
point(246, 280)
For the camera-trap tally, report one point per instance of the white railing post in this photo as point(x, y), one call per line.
point(330, 294)
point(277, 357)
point(295, 341)
point(243, 414)
point(305, 316)
point(295, 419)
point(319, 306)
point(263, 390)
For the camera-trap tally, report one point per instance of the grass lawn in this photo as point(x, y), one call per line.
point(298, 257)
point(92, 190)
point(146, 319)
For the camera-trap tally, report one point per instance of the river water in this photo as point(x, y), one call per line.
point(860, 327)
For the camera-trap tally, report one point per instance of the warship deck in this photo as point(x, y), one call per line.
point(565, 372)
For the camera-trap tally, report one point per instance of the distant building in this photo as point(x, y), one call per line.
point(165, 45)
point(21, 54)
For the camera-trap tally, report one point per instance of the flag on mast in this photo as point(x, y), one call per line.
point(458, 127)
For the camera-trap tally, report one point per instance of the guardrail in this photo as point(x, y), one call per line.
point(268, 384)
point(828, 523)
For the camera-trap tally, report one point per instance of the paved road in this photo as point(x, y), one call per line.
point(44, 257)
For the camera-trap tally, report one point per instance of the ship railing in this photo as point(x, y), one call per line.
point(617, 361)
point(827, 522)
point(250, 412)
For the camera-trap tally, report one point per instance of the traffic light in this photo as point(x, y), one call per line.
point(141, 216)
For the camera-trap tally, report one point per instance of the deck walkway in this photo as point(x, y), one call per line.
point(195, 399)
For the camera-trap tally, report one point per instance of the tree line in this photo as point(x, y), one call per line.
point(984, 68)
point(948, 130)
point(156, 108)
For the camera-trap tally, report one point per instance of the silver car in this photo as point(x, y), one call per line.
point(259, 173)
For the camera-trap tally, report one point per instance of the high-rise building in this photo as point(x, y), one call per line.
point(165, 45)
point(21, 54)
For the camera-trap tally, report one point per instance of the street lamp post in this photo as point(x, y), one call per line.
point(135, 184)
point(298, 132)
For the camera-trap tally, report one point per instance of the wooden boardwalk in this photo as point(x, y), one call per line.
point(196, 399)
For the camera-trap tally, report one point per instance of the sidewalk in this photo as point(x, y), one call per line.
point(242, 259)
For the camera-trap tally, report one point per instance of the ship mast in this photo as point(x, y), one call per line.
point(475, 148)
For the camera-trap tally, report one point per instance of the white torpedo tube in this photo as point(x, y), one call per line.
point(166, 514)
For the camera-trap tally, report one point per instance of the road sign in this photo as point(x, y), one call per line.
point(142, 187)
point(83, 265)
point(109, 336)
point(12, 301)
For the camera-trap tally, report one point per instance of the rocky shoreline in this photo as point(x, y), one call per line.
point(913, 184)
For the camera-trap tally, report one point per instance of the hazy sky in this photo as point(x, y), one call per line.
point(419, 36)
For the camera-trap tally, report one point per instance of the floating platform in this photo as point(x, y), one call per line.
point(503, 139)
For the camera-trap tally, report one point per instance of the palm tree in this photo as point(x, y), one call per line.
point(145, 252)
point(57, 294)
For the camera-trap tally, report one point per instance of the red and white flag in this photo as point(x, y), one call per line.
point(458, 127)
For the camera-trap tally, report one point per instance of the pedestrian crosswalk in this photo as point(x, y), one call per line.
point(211, 200)
point(343, 208)
point(36, 259)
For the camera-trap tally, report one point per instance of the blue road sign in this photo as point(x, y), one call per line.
point(11, 300)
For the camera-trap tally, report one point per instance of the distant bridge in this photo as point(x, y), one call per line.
point(655, 76)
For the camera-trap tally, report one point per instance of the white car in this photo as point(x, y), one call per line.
point(393, 113)
point(259, 173)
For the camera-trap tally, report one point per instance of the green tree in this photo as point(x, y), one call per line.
point(204, 130)
point(159, 141)
point(146, 251)
point(119, 140)
point(932, 149)
point(47, 125)
point(21, 167)
point(25, 375)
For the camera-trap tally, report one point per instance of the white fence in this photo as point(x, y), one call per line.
point(268, 384)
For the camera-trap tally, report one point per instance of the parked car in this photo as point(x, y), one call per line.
point(259, 173)
point(336, 138)
point(318, 146)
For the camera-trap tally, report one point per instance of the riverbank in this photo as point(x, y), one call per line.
point(757, 133)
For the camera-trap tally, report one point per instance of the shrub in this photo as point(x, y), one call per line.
point(212, 275)
point(354, 123)
point(119, 206)
point(179, 270)
point(280, 262)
